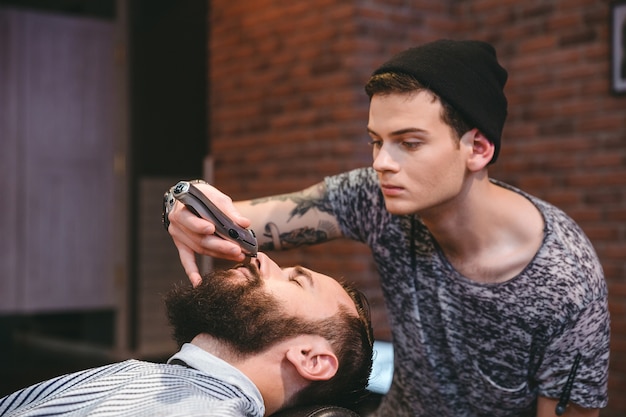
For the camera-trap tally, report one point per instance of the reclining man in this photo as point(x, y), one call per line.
point(254, 339)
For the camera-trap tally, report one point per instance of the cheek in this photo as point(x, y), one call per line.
point(446, 177)
point(436, 175)
point(288, 297)
point(445, 163)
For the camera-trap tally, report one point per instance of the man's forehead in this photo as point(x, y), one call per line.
point(343, 296)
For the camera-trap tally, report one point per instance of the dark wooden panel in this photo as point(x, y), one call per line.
point(64, 82)
point(10, 178)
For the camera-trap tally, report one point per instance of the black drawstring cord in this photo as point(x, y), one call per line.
point(413, 257)
point(567, 390)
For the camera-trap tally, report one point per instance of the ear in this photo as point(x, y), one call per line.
point(481, 149)
point(313, 358)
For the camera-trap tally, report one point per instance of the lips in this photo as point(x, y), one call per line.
point(390, 190)
point(243, 271)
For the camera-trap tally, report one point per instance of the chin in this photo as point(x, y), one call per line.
point(399, 209)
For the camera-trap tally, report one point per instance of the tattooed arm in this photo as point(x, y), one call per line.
point(280, 222)
point(290, 220)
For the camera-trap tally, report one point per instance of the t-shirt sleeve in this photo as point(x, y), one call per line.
point(586, 334)
point(356, 201)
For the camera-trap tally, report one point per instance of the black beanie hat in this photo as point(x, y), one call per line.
point(466, 74)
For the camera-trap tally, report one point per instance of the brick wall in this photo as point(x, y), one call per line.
point(287, 108)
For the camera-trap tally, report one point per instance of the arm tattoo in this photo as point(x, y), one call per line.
point(292, 239)
point(309, 199)
point(303, 205)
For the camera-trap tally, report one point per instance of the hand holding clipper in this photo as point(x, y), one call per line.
point(201, 206)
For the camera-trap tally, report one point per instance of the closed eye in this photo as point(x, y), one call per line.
point(294, 278)
point(299, 272)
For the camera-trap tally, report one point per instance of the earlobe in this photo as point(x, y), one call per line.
point(482, 150)
point(313, 359)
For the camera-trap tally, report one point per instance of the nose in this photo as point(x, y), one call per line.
point(267, 267)
point(383, 160)
point(258, 261)
point(255, 261)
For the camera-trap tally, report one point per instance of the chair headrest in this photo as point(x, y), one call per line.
point(316, 411)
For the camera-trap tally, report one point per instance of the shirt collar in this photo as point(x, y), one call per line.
point(204, 361)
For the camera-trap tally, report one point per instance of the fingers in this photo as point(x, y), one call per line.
point(188, 260)
point(198, 235)
point(187, 229)
point(225, 204)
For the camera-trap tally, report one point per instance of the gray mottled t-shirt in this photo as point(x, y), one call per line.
point(464, 348)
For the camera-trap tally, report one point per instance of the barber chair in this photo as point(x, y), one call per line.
point(316, 411)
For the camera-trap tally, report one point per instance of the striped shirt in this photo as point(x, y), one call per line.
point(208, 386)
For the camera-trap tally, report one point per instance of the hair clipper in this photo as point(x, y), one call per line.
point(201, 206)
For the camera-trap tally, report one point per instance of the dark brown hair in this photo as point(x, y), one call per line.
point(352, 341)
point(399, 83)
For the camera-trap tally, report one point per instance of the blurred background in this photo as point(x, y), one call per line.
point(104, 104)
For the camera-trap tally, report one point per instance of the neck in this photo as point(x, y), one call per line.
point(217, 348)
point(490, 234)
point(267, 370)
point(462, 225)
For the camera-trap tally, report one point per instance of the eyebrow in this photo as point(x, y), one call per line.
point(305, 273)
point(400, 132)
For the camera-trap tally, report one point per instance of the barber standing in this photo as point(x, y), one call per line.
point(497, 301)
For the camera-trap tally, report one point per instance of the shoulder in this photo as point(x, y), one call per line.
point(558, 225)
point(360, 177)
point(566, 258)
point(353, 186)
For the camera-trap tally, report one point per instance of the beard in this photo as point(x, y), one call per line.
point(235, 310)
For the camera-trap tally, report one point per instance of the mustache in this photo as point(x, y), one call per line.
point(253, 274)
